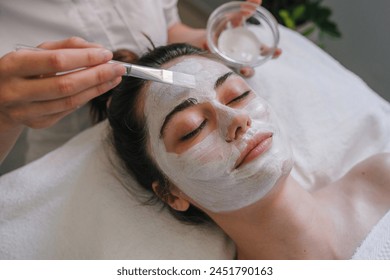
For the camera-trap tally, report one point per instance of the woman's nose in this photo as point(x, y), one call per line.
point(239, 125)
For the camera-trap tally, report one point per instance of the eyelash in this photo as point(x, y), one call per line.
point(203, 124)
point(245, 94)
point(194, 132)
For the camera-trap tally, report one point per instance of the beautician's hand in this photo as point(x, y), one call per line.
point(180, 32)
point(32, 95)
point(248, 71)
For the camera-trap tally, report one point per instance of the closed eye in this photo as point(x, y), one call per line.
point(238, 98)
point(194, 132)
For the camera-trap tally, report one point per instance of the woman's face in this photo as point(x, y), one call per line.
point(219, 143)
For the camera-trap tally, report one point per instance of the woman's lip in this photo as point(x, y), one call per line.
point(258, 145)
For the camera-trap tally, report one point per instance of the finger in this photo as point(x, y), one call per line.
point(46, 121)
point(247, 71)
point(56, 87)
point(205, 45)
point(74, 101)
point(30, 63)
point(277, 53)
point(72, 42)
point(247, 9)
point(32, 111)
point(265, 51)
point(255, 1)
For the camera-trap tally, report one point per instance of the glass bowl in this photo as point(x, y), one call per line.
point(242, 34)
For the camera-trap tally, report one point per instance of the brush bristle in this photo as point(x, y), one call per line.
point(184, 80)
point(167, 77)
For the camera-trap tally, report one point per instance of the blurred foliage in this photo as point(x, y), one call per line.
point(307, 16)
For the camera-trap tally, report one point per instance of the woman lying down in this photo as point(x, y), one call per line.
point(216, 154)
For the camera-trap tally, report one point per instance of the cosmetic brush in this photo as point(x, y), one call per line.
point(142, 72)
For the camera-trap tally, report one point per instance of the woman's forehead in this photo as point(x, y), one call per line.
point(206, 73)
point(196, 65)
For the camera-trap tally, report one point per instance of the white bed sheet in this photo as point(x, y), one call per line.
point(69, 204)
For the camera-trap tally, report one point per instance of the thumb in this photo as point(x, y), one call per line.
point(247, 71)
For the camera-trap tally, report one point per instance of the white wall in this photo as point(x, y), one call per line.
point(365, 45)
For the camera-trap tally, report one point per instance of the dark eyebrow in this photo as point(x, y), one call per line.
point(183, 105)
point(222, 79)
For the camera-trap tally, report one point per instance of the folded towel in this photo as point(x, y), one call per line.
point(376, 246)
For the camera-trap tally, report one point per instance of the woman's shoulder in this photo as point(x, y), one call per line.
point(368, 178)
point(374, 167)
point(367, 187)
point(372, 174)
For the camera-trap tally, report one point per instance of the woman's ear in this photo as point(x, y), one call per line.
point(173, 198)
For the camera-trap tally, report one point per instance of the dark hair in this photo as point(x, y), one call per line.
point(130, 132)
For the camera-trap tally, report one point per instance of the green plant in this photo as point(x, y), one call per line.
point(306, 16)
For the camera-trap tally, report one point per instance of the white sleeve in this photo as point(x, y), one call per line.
point(170, 11)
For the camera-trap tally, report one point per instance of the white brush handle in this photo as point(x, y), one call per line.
point(143, 72)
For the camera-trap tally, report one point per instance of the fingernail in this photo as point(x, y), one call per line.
point(119, 69)
point(106, 54)
point(243, 71)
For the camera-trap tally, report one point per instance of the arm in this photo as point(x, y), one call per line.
point(180, 32)
point(32, 95)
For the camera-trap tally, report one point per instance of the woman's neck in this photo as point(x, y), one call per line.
point(286, 224)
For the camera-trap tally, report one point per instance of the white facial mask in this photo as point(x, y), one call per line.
point(205, 172)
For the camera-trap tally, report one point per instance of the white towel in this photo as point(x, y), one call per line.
point(376, 246)
point(69, 205)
